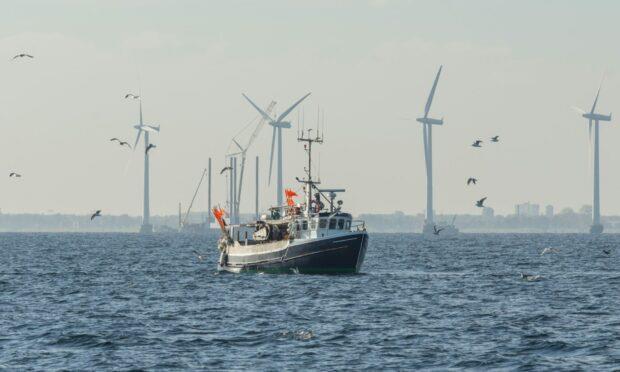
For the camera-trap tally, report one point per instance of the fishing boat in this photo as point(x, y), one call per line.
point(312, 237)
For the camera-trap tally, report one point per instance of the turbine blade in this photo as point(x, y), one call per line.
point(238, 145)
point(273, 142)
point(263, 113)
point(578, 110)
point(141, 112)
point(137, 139)
point(288, 111)
point(597, 93)
point(427, 108)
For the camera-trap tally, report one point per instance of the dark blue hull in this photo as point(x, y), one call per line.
point(343, 254)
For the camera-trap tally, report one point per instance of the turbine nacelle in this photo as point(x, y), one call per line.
point(596, 117)
point(430, 121)
point(281, 124)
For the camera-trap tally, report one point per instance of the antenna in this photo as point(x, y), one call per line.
point(319, 170)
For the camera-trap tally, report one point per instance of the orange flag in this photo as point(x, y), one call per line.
point(289, 197)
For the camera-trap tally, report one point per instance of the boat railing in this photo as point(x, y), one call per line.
point(358, 225)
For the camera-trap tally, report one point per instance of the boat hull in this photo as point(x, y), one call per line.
point(343, 254)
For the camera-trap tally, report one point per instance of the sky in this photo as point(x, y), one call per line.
point(512, 69)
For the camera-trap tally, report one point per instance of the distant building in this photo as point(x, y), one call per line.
point(527, 209)
point(488, 212)
point(549, 211)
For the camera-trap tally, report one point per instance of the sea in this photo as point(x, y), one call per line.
point(110, 301)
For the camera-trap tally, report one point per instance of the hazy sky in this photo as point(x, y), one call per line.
point(511, 68)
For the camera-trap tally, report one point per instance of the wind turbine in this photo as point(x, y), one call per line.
point(243, 152)
point(147, 129)
point(427, 133)
point(277, 125)
point(592, 116)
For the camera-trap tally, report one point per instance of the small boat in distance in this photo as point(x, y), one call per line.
point(313, 237)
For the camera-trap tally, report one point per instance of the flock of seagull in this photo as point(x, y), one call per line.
point(472, 180)
point(121, 143)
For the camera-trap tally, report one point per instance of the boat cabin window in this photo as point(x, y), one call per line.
point(322, 223)
point(347, 224)
point(340, 223)
point(313, 224)
point(304, 225)
point(332, 224)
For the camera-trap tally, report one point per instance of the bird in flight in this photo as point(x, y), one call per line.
point(607, 251)
point(471, 180)
point(495, 139)
point(14, 174)
point(225, 169)
point(549, 250)
point(132, 96)
point(480, 203)
point(122, 143)
point(150, 146)
point(436, 231)
point(476, 143)
point(96, 214)
point(22, 55)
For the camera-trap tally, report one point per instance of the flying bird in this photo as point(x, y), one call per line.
point(476, 143)
point(471, 180)
point(495, 139)
point(225, 169)
point(480, 203)
point(131, 95)
point(436, 231)
point(607, 251)
point(150, 146)
point(123, 143)
point(114, 139)
point(549, 250)
point(22, 55)
point(96, 214)
point(16, 175)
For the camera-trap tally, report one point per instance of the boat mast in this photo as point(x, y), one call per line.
point(309, 183)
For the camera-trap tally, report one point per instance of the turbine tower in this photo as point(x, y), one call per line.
point(427, 134)
point(277, 125)
point(147, 129)
point(595, 118)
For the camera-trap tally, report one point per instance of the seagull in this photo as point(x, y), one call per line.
point(114, 139)
point(22, 55)
point(480, 203)
point(225, 169)
point(607, 251)
point(16, 175)
point(476, 143)
point(123, 143)
point(530, 277)
point(96, 214)
point(150, 146)
point(131, 95)
point(436, 231)
point(549, 250)
point(471, 180)
point(495, 139)
point(200, 257)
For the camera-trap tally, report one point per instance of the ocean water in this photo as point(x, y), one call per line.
point(124, 301)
